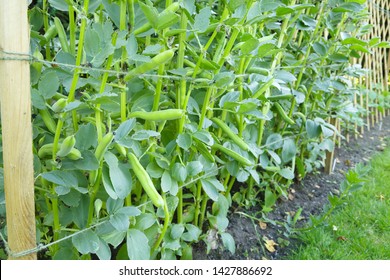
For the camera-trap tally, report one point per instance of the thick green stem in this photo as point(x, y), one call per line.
point(165, 226)
point(72, 30)
point(76, 71)
point(197, 203)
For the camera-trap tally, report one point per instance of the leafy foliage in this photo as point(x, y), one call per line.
point(113, 61)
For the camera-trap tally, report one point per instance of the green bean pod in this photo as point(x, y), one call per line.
point(145, 181)
point(103, 146)
point(47, 151)
point(66, 146)
point(162, 115)
point(264, 87)
point(61, 34)
point(300, 115)
point(283, 114)
point(155, 62)
point(234, 137)
point(232, 154)
point(59, 105)
point(202, 148)
point(48, 120)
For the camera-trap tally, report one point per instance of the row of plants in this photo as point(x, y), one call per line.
point(151, 118)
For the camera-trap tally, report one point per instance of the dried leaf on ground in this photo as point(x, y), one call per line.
point(270, 245)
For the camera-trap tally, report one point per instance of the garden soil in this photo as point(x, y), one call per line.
point(311, 194)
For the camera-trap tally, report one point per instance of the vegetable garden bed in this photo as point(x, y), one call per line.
point(147, 114)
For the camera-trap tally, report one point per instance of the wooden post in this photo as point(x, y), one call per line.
point(16, 127)
point(329, 161)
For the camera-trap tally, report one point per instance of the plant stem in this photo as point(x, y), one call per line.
point(165, 226)
point(76, 71)
point(72, 30)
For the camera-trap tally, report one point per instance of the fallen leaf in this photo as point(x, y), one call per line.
point(292, 190)
point(291, 196)
point(347, 162)
point(341, 238)
point(262, 225)
point(270, 245)
point(290, 213)
point(317, 186)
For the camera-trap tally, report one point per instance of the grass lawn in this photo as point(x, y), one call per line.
point(360, 227)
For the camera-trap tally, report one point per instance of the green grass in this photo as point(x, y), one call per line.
point(360, 229)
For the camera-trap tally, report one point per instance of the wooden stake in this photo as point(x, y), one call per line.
point(16, 127)
point(330, 155)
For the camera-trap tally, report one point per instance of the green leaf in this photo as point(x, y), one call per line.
point(120, 176)
point(204, 136)
point(150, 12)
point(326, 131)
point(145, 221)
point(348, 7)
point(104, 251)
point(184, 141)
point(192, 234)
point(177, 231)
point(168, 184)
point(188, 5)
point(194, 168)
point(107, 183)
point(266, 50)
point(113, 205)
point(269, 5)
point(120, 221)
point(224, 79)
point(211, 186)
point(60, 5)
point(228, 242)
point(353, 41)
point(61, 178)
point(274, 156)
point(154, 170)
point(179, 172)
point(219, 222)
point(144, 135)
point(306, 23)
point(86, 137)
point(285, 76)
point(249, 45)
point(289, 150)
point(320, 49)
point(281, 11)
point(313, 129)
point(359, 48)
point(270, 198)
point(62, 190)
point(202, 20)
point(338, 57)
point(48, 84)
point(86, 242)
point(327, 144)
point(37, 100)
point(220, 207)
point(137, 245)
point(286, 173)
point(87, 162)
point(124, 129)
point(274, 141)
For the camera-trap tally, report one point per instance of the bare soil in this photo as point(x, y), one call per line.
point(310, 194)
